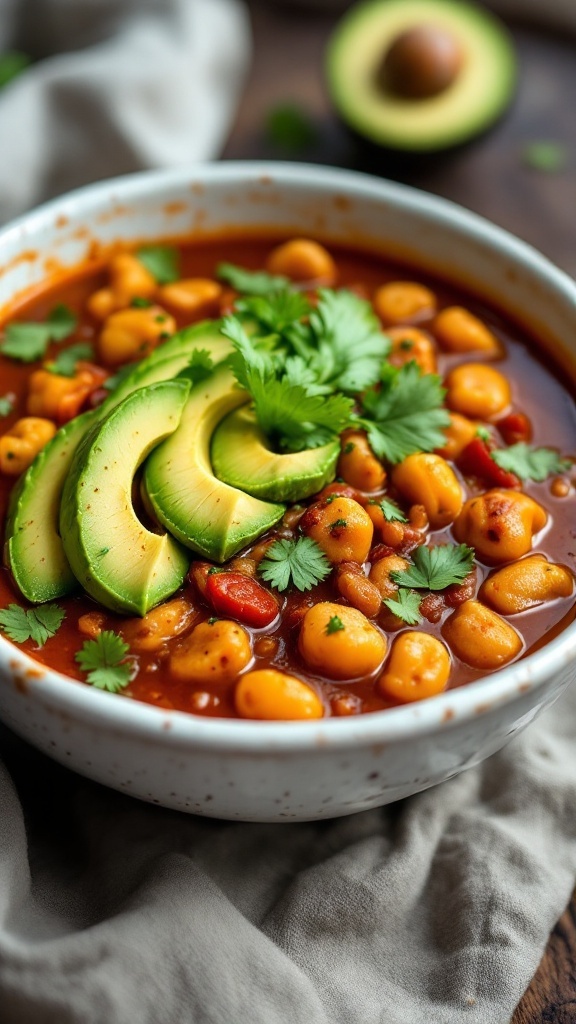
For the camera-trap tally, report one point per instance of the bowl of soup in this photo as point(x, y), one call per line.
point(286, 488)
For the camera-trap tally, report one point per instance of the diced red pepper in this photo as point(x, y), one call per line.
point(236, 595)
point(476, 460)
point(515, 427)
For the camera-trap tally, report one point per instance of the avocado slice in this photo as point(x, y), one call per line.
point(241, 458)
point(33, 548)
point(465, 95)
point(118, 561)
point(204, 513)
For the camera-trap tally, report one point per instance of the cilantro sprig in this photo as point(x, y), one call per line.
point(161, 261)
point(289, 412)
point(65, 362)
point(405, 605)
point(436, 568)
point(103, 659)
point(28, 342)
point(391, 511)
point(530, 463)
point(7, 403)
point(334, 625)
point(250, 282)
point(405, 413)
point(300, 561)
point(37, 624)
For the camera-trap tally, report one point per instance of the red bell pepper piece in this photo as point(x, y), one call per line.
point(476, 460)
point(239, 596)
point(515, 427)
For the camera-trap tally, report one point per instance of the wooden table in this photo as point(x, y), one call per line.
point(489, 177)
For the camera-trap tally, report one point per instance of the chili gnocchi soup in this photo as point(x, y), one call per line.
point(268, 480)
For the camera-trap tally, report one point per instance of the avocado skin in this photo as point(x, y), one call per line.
point(204, 513)
point(240, 458)
point(120, 563)
point(34, 550)
point(411, 128)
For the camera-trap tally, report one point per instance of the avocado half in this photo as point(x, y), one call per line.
point(478, 94)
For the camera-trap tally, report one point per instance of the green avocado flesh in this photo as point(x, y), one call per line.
point(34, 550)
point(241, 458)
point(478, 95)
point(204, 513)
point(119, 562)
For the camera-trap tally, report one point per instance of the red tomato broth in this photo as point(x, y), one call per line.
point(536, 391)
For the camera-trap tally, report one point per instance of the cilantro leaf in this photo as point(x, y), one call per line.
point(530, 463)
point(545, 155)
point(289, 127)
point(199, 367)
point(28, 342)
point(348, 340)
point(62, 322)
point(391, 511)
point(276, 311)
point(301, 561)
point(406, 606)
point(250, 282)
point(12, 64)
point(161, 261)
point(111, 383)
point(65, 362)
point(405, 415)
point(37, 624)
point(103, 661)
point(436, 568)
point(290, 414)
point(334, 625)
point(7, 403)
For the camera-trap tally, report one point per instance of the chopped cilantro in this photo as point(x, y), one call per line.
point(545, 155)
point(161, 261)
point(348, 448)
point(37, 624)
point(250, 282)
point(289, 127)
point(111, 383)
point(405, 415)
point(103, 661)
point(291, 415)
point(213, 619)
point(199, 367)
point(436, 568)
point(7, 403)
point(139, 302)
point(334, 625)
point(406, 606)
point(12, 63)
point(28, 342)
point(530, 463)
point(65, 362)
point(301, 561)
point(391, 511)
point(483, 433)
point(338, 524)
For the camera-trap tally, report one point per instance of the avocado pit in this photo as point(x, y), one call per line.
point(421, 62)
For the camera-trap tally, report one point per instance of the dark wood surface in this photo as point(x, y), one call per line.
point(490, 177)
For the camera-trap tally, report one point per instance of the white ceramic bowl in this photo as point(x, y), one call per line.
point(262, 771)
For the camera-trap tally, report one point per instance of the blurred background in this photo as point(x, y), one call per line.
point(94, 88)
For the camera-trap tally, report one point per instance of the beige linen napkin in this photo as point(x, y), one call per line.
point(433, 911)
point(118, 85)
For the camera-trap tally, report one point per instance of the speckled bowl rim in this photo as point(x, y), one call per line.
point(180, 729)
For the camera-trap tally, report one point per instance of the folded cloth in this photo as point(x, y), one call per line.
point(433, 911)
point(119, 85)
